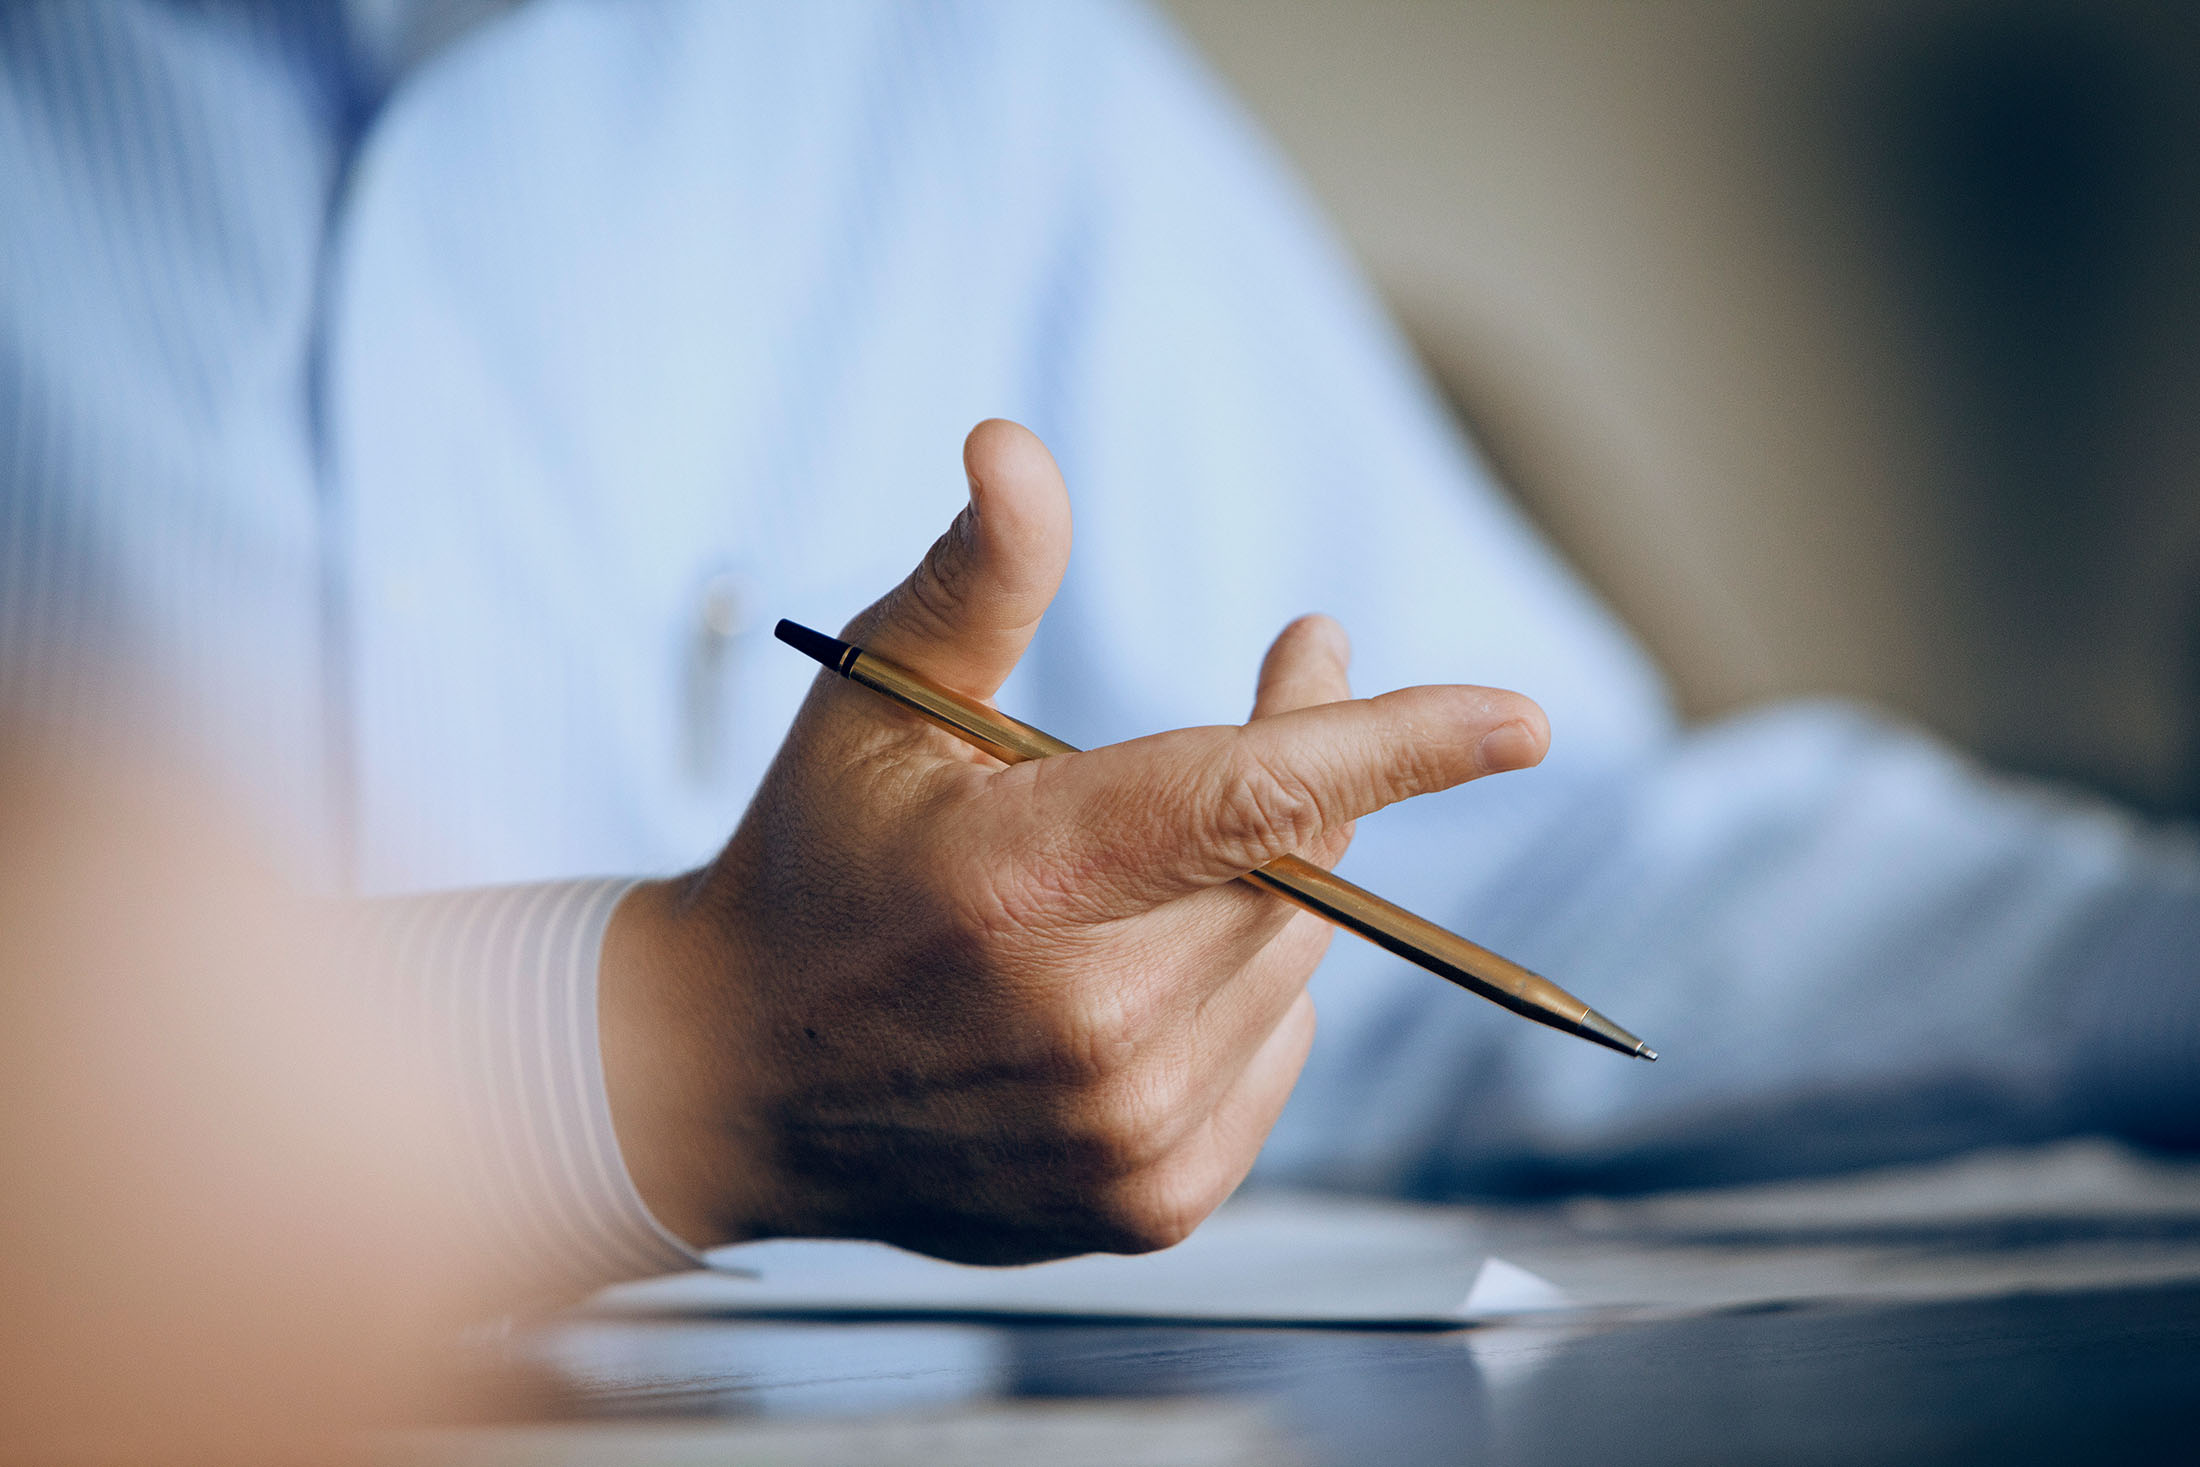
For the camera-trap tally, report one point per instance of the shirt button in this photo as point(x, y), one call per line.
point(722, 613)
point(724, 609)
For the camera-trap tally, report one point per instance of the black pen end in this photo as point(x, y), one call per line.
point(831, 651)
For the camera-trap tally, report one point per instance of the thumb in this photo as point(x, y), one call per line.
point(966, 613)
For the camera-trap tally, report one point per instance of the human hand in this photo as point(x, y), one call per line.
point(999, 1014)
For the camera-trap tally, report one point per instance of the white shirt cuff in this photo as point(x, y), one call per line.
point(499, 990)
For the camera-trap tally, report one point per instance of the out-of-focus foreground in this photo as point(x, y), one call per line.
point(1849, 346)
point(226, 1226)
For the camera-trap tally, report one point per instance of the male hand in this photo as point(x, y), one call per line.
point(999, 1014)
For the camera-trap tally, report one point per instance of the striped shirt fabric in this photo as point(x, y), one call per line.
point(499, 991)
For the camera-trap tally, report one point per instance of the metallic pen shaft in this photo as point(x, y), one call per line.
point(1327, 895)
point(1444, 953)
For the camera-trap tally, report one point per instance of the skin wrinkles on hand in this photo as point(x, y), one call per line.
point(1001, 1014)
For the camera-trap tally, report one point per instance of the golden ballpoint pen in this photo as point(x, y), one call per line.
point(1302, 883)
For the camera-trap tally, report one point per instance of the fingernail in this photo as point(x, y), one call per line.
point(1511, 746)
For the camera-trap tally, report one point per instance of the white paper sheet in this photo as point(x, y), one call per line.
point(2083, 1214)
point(1263, 1258)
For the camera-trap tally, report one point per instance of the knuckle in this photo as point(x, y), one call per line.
point(1126, 1122)
point(987, 906)
point(1420, 767)
point(1086, 1045)
point(934, 593)
point(1154, 1216)
point(1265, 808)
point(1152, 1230)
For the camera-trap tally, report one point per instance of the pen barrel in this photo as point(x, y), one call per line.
point(1415, 938)
point(1440, 951)
point(995, 732)
point(1329, 896)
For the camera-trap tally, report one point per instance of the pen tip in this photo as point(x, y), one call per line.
point(1647, 1052)
point(831, 651)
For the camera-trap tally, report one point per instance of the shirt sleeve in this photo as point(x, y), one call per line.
point(2136, 1018)
point(1850, 944)
point(497, 993)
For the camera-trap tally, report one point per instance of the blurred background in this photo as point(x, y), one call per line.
point(1849, 346)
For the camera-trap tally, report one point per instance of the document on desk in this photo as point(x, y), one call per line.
point(2074, 1215)
point(2078, 1215)
point(1264, 1258)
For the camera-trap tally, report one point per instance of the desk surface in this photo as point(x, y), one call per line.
point(2078, 1377)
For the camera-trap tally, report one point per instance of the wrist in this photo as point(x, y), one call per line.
point(670, 1032)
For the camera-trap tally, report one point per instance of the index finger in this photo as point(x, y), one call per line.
point(1123, 829)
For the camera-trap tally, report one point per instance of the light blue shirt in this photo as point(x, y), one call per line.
point(431, 447)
